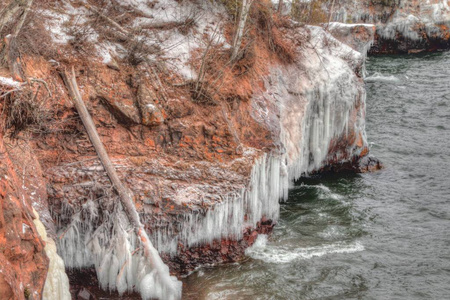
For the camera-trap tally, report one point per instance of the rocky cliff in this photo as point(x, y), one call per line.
point(401, 26)
point(207, 146)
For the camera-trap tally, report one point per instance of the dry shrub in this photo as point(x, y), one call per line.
point(202, 93)
point(138, 50)
point(220, 79)
point(81, 34)
point(283, 47)
point(34, 38)
point(309, 12)
point(390, 3)
point(21, 112)
point(247, 58)
point(210, 64)
point(268, 27)
point(232, 7)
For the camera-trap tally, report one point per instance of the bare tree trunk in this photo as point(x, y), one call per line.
point(240, 27)
point(331, 12)
point(23, 17)
point(125, 195)
point(280, 7)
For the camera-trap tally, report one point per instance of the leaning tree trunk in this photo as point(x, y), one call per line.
point(240, 28)
point(125, 195)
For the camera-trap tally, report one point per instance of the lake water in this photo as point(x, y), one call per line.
point(383, 235)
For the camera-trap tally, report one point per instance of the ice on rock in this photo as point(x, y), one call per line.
point(112, 247)
point(57, 283)
point(85, 242)
point(235, 212)
point(405, 26)
point(329, 95)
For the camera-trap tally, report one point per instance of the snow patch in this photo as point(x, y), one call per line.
point(9, 82)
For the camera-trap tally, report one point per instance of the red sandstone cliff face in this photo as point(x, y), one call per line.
point(206, 169)
point(23, 262)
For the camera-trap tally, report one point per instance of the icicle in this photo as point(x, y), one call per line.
point(57, 283)
point(111, 247)
point(332, 93)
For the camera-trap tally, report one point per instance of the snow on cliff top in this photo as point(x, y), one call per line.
point(203, 20)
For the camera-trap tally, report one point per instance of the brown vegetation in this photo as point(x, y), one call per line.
point(265, 39)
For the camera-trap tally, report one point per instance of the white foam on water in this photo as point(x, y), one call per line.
point(281, 255)
point(332, 232)
point(260, 244)
point(378, 77)
point(325, 193)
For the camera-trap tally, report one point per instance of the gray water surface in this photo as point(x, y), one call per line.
point(384, 235)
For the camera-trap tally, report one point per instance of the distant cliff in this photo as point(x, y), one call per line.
point(401, 26)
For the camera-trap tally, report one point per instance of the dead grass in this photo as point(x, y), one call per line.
point(309, 12)
point(33, 39)
point(265, 41)
point(21, 111)
point(268, 25)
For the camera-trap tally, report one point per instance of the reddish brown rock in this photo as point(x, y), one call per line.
point(151, 114)
point(23, 262)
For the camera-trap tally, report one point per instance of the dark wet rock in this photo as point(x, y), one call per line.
point(122, 108)
point(369, 164)
point(219, 252)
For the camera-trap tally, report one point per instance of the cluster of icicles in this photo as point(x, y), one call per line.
point(95, 237)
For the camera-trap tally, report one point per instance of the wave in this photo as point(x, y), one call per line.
point(378, 77)
point(279, 255)
point(323, 192)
